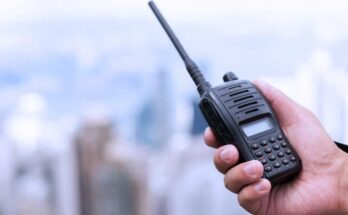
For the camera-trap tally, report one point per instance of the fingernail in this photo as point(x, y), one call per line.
point(226, 155)
point(261, 186)
point(251, 168)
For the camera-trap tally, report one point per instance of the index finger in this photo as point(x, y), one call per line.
point(210, 139)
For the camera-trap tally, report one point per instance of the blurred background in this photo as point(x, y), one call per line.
point(98, 115)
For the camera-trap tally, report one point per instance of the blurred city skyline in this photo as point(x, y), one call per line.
point(73, 71)
point(82, 57)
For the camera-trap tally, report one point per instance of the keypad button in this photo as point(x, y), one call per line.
point(292, 158)
point(285, 161)
point(268, 150)
point(280, 154)
point(288, 151)
point(279, 137)
point(263, 161)
point(254, 146)
point(272, 158)
point(268, 169)
point(276, 164)
point(276, 147)
point(258, 154)
point(263, 143)
point(283, 144)
point(272, 140)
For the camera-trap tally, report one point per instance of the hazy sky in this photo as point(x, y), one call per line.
point(27, 10)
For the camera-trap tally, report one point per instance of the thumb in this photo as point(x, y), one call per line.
point(286, 110)
point(301, 127)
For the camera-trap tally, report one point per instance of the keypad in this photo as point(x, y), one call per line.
point(273, 152)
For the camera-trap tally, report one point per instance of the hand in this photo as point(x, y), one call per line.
point(320, 188)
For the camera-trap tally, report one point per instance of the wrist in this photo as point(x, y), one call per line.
point(343, 187)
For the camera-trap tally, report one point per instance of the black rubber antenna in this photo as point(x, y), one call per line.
point(192, 68)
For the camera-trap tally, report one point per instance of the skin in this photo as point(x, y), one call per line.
point(320, 188)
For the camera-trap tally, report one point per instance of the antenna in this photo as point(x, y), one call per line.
point(191, 67)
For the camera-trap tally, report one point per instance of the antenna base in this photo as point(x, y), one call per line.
point(203, 87)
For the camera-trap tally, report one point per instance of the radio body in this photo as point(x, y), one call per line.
point(239, 114)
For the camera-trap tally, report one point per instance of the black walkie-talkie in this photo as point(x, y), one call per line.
point(238, 113)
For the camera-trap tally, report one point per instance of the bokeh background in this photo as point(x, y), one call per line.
point(98, 115)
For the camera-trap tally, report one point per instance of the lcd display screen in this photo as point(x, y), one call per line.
point(257, 126)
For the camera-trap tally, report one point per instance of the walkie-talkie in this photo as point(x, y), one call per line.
point(238, 113)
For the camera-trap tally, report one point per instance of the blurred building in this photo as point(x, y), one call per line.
point(154, 124)
point(112, 174)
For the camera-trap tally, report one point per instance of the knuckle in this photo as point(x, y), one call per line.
point(306, 112)
point(230, 184)
point(227, 183)
point(217, 161)
point(259, 172)
point(218, 167)
point(242, 200)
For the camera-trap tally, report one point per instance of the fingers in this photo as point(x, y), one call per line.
point(225, 158)
point(210, 139)
point(244, 178)
point(242, 175)
point(286, 110)
point(250, 197)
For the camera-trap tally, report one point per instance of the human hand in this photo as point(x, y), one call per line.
point(320, 188)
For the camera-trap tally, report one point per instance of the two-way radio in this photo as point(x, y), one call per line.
point(238, 113)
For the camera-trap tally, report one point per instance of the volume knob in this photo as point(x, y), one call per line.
point(230, 76)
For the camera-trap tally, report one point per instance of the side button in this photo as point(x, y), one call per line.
point(220, 129)
point(209, 112)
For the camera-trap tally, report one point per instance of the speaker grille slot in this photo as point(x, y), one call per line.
point(243, 98)
point(240, 92)
point(247, 104)
point(251, 111)
point(234, 87)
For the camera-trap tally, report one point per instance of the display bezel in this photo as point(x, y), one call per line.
point(259, 134)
